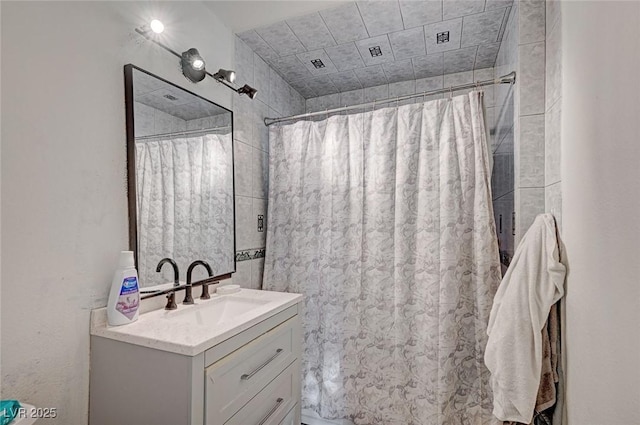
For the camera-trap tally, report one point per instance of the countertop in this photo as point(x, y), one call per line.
point(157, 330)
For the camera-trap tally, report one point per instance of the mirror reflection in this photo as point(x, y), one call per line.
point(183, 200)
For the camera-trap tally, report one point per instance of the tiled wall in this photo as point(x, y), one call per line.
point(151, 121)
point(403, 88)
point(553, 79)
point(521, 114)
point(275, 98)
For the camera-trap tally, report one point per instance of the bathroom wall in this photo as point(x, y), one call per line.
point(600, 134)
point(553, 110)
point(275, 98)
point(64, 200)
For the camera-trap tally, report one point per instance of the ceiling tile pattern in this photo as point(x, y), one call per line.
point(367, 44)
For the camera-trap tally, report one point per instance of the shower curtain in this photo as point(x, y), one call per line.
point(383, 220)
point(182, 214)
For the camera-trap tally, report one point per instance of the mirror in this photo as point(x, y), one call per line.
point(180, 179)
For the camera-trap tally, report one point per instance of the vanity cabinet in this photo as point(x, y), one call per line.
point(250, 378)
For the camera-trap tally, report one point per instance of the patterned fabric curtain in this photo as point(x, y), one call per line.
point(383, 220)
point(183, 202)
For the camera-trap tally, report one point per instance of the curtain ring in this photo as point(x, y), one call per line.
point(450, 92)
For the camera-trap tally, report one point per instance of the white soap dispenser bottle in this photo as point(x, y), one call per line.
point(124, 298)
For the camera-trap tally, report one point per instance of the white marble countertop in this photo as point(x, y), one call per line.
point(182, 331)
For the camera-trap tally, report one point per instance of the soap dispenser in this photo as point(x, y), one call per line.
point(124, 298)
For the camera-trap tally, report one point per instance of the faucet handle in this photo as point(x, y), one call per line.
point(171, 301)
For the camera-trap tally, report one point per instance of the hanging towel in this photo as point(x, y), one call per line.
point(533, 283)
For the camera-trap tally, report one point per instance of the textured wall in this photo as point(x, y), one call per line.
point(64, 209)
point(275, 98)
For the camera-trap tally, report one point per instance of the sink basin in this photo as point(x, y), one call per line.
point(192, 329)
point(216, 311)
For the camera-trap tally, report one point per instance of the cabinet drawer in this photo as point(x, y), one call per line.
point(235, 379)
point(271, 405)
point(290, 419)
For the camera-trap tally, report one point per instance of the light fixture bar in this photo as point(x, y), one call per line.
point(242, 90)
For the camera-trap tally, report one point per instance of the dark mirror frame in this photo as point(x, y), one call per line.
point(131, 165)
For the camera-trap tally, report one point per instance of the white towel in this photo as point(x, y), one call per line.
point(533, 283)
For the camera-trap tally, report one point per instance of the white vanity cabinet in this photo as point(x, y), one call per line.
point(249, 378)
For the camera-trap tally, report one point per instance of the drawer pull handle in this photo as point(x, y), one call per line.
point(272, 411)
point(248, 376)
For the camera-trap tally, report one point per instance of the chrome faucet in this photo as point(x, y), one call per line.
point(188, 298)
point(171, 297)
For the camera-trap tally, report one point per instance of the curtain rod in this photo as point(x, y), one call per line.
point(505, 79)
point(184, 133)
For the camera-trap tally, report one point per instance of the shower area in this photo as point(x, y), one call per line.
point(396, 204)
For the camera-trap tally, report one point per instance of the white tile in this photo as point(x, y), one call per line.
point(431, 31)
point(345, 23)
point(552, 15)
point(257, 270)
point(291, 67)
point(459, 60)
point(242, 276)
point(261, 78)
point(244, 220)
point(353, 97)
point(303, 87)
point(323, 85)
point(280, 37)
point(553, 66)
point(322, 103)
point(402, 88)
point(482, 28)
point(345, 81)
point(376, 93)
point(429, 84)
point(552, 144)
point(311, 31)
point(260, 131)
point(553, 202)
point(381, 42)
point(345, 57)
point(258, 45)
point(380, 17)
point(531, 78)
point(260, 173)
point(497, 4)
point(327, 66)
point(144, 119)
point(244, 62)
point(428, 66)
point(529, 203)
point(531, 21)
point(486, 56)
point(399, 71)
point(418, 13)
point(242, 119)
point(531, 151)
point(456, 8)
point(408, 43)
point(371, 75)
point(242, 163)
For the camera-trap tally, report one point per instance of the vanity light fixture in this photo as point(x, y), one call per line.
point(156, 26)
point(248, 90)
point(192, 64)
point(225, 75)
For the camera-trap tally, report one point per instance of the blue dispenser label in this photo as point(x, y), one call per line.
point(129, 298)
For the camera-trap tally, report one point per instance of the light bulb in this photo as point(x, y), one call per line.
point(156, 26)
point(197, 64)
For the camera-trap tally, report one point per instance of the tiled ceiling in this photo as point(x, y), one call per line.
point(369, 43)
